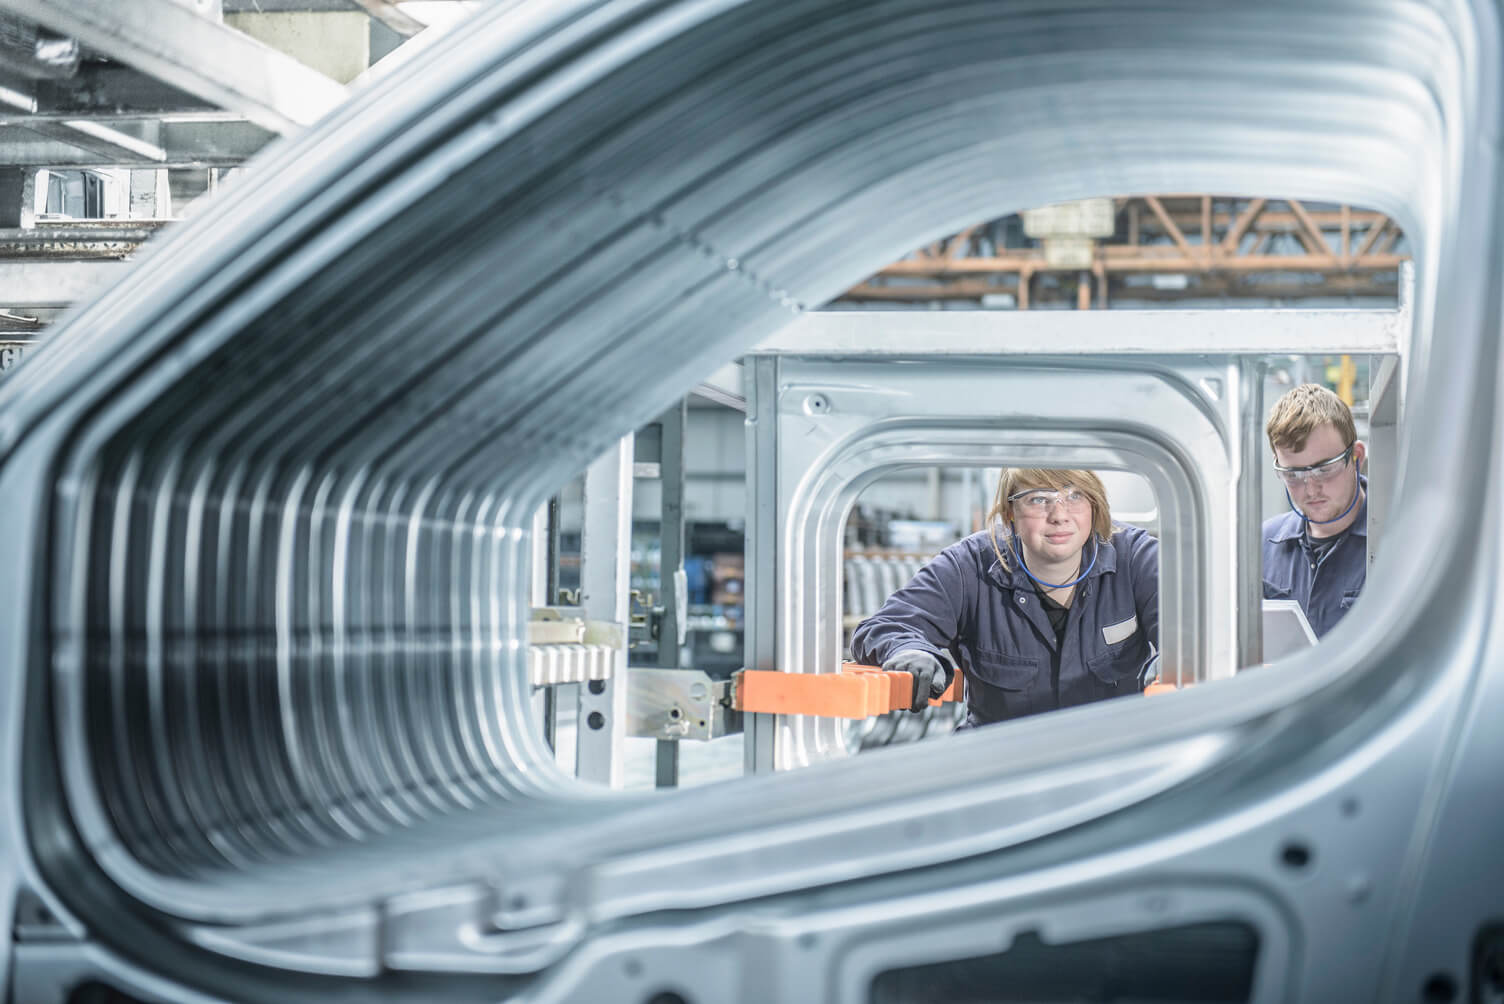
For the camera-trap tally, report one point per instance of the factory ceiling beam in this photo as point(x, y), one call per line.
point(97, 138)
point(389, 14)
point(1159, 212)
point(288, 6)
point(1217, 245)
point(202, 57)
point(1234, 238)
point(105, 92)
point(226, 143)
point(100, 141)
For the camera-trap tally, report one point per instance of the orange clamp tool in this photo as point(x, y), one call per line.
point(857, 691)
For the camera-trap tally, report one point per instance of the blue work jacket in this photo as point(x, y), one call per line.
point(1324, 588)
point(994, 624)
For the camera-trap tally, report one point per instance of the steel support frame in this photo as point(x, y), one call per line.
point(723, 387)
point(104, 92)
point(1058, 388)
point(102, 141)
point(763, 541)
point(605, 566)
point(671, 577)
point(197, 143)
point(202, 57)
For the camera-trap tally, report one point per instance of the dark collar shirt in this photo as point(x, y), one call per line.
point(994, 624)
point(1323, 580)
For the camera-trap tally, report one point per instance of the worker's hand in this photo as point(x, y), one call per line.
point(931, 675)
point(1150, 682)
point(1149, 675)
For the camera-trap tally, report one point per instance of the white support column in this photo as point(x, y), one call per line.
point(605, 565)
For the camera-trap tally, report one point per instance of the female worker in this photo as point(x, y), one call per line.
point(1051, 606)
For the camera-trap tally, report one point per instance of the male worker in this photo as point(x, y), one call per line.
point(1317, 554)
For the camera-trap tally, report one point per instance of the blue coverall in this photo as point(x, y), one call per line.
point(995, 625)
point(1324, 587)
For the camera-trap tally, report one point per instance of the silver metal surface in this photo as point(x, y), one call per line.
point(263, 590)
point(764, 538)
point(551, 627)
point(969, 333)
point(548, 665)
point(679, 704)
point(1286, 629)
point(564, 649)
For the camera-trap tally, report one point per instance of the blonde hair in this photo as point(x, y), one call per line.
point(1303, 410)
point(1023, 479)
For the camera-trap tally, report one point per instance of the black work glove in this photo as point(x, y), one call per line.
point(931, 675)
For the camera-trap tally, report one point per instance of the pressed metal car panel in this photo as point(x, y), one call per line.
point(265, 724)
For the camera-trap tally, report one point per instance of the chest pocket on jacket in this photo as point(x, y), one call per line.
point(1006, 686)
point(1276, 590)
point(1279, 574)
point(1125, 652)
point(1008, 672)
point(1348, 598)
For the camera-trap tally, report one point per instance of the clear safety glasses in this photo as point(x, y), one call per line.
point(1315, 474)
point(1039, 502)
